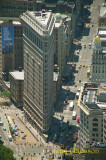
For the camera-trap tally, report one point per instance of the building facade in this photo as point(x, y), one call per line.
point(104, 126)
point(38, 68)
point(17, 87)
point(60, 42)
point(14, 8)
point(102, 24)
point(98, 71)
point(11, 52)
point(102, 16)
point(92, 105)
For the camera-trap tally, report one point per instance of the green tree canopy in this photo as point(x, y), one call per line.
point(6, 153)
point(5, 94)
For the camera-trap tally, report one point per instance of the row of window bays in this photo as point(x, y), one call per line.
point(85, 119)
point(42, 42)
point(40, 115)
point(99, 68)
point(98, 57)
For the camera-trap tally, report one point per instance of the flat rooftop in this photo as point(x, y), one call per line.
point(42, 18)
point(17, 75)
point(90, 96)
point(103, 11)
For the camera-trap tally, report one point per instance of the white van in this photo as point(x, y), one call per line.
point(74, 115)
point(77, 95)
point(71, 106)
point(79, 89)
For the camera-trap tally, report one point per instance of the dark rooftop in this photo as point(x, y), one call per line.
point(93, 106)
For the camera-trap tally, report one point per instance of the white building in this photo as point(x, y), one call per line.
point(38, 68)
point(98, 72)
point(92, 104)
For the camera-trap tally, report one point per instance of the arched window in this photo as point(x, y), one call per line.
point(95, 119)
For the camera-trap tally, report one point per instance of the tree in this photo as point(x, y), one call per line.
point(5, 94)
point(6, 153)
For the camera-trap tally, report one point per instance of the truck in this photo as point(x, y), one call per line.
point(74, 114)
point(77, 95)
point(71, 106)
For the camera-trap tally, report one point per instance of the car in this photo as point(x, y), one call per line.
point(86, 66)
point(84, 45)
point(69, 139)
point(78, 51)
point(59, 157)
point(61, 134)
point(70, 133)
point(83, 65)
point(62, 118)
point(4, 129)
point(79, 81)
point(67, 135)
point(0, 136)
point(75, 85)
point(76, 102)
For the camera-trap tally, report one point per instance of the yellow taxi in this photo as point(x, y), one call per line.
point(86, 66)
point(83, 65)
point(75, 85)
point(84, 45)
point(76, 102)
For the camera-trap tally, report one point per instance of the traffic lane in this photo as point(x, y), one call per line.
point(82, 75)
point(4, 136)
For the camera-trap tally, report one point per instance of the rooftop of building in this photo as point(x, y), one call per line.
point(102, 32)
point(41, 21)
point(103, 11)
point(17, 75)
point(102, 89)
point(93, 96)
point(12, 21)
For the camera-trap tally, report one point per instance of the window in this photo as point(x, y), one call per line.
point(95, 129)
point(95, 119)
point(93, 139)
point(95, 124)
point(97, 135)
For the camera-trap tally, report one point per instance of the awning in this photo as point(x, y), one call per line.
point(16, 132)
point(15, 124)
point(23, 133)
point(14, 128)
